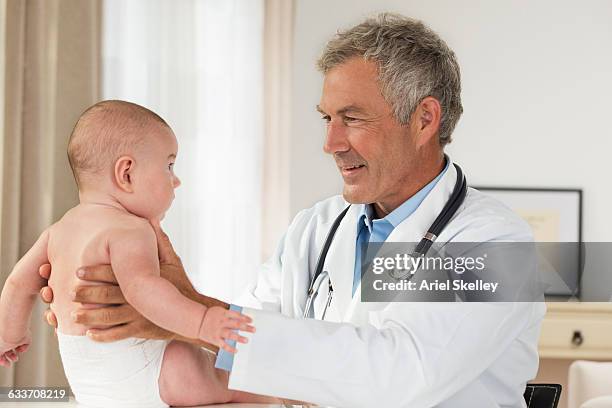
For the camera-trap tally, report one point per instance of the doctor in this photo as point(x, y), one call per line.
point(390, 100)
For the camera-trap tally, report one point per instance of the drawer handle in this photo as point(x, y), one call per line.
point(577, 338)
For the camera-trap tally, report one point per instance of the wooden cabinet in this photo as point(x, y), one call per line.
point(577, 331)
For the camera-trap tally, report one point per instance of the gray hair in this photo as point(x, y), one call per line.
point(413, 63)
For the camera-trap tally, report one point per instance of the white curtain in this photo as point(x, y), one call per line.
point(198, 63)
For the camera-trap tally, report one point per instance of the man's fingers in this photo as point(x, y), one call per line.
point(4, 362)
point(103, 294)
point(50, 318)
point(115, 333)
point(97, 273)
point(164, 246)
point(105, 316)
point(46, 294)
point(45, 271)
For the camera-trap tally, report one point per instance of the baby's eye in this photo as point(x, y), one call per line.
point(170, 166)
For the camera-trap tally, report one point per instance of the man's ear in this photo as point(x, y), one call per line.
point(124, 168)
point(426, 120)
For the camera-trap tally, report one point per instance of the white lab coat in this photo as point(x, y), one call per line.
point(386, 354)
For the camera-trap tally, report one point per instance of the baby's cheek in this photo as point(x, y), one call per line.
point(164, 197)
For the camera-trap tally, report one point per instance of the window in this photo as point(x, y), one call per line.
point(198, 64)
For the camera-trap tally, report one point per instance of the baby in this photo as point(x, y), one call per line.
point(122, 156)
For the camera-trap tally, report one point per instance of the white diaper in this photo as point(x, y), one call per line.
point(124, 373)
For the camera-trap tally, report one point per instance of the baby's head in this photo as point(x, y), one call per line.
point(126, 151)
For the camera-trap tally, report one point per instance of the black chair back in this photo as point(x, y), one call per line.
point(542, 395)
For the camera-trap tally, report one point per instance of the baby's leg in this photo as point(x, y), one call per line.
point(188, 377)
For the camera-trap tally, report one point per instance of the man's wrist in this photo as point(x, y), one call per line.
point(190, 292)
point(175, 273)
point(209, 301)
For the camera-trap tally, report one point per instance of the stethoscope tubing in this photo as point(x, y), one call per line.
point(442, 220)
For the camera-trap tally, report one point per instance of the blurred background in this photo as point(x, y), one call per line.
point(236, 80)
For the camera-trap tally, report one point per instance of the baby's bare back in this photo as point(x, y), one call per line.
point(84, 237)
point(79, 239)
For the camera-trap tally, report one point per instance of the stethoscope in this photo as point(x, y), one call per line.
point(450, 208)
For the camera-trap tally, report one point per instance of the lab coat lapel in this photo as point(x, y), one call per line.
point(416, 225)
point(412, 229)
point(340, 263)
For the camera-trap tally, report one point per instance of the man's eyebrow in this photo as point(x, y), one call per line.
point(343, 110)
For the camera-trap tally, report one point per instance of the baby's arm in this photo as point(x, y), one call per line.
point(133, 256)
point(17, 301)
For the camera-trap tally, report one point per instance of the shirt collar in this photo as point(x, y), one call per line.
point(402, 212)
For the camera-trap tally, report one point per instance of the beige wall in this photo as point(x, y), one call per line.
point(554, 371)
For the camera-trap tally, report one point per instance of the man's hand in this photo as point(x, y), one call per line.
point(46, 294)
point(170, 265)
point(172, 269)
point(116, 321)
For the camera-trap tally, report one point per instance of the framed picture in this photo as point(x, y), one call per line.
point(555, 217)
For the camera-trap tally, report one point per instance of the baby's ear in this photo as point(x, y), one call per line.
point(124, 167)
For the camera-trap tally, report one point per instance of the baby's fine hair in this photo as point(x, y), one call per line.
point(105, 132)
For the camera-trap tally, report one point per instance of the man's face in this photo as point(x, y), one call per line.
point(374, 153)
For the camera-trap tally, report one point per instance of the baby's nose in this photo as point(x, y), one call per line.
point(177, 182)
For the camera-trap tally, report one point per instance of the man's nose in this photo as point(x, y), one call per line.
point(336, 138)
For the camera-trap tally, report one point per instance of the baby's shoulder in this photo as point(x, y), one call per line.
point(132, 235)
point(102, 222)
point(123, 224)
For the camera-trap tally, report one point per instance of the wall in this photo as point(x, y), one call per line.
point(536, 88)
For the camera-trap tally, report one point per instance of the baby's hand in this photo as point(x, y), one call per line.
point(9, 352)
point(219, 324)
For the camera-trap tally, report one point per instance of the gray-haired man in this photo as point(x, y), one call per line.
point(391, 99)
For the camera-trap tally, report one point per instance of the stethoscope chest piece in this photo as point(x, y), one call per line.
point(314, 290)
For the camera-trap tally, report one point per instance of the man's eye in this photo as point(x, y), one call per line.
point(350, 119)
point(326, 118)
